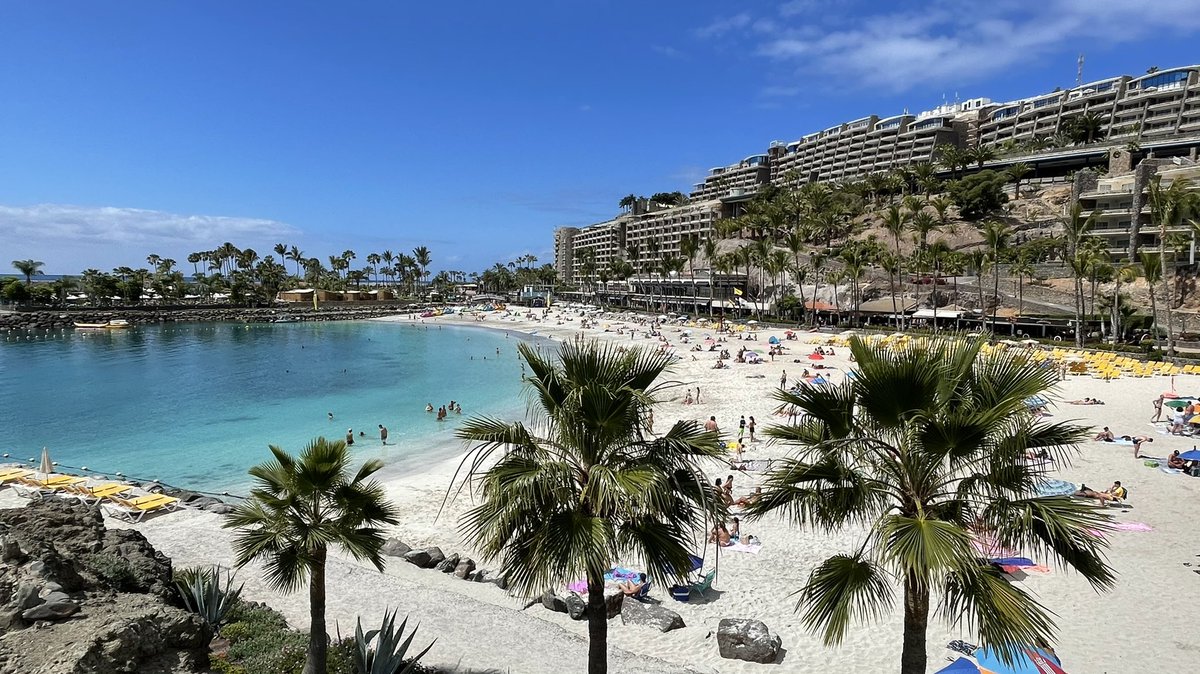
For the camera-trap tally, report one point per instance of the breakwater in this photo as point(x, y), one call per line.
point(66, 318)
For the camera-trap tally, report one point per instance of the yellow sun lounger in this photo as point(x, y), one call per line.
point(95, 492)
point(134, 509)
point(31, 487)
point(10, 474)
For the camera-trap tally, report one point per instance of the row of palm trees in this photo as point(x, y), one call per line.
point(588, 485)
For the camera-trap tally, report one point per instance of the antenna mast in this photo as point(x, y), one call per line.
point(1079, 71)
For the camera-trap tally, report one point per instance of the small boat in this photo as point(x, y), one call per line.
point(115, 324)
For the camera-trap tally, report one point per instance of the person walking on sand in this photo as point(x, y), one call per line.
point(1158, 405)
point(741, 428)
point(697, 395)
point(783, 380)
point(750, 426)
point(382, 434)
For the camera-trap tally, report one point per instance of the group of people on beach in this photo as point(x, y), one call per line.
point(726, 534)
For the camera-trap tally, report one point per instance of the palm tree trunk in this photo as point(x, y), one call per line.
point(995, 288)
point(913, 656)
point(597, 617)
point(1079, 331)
point(1167, 295)
point(318, 638)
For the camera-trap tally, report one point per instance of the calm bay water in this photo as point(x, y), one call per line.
point(196, 405)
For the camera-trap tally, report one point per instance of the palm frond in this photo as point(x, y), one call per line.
point(841, 590)
point(1005, 616)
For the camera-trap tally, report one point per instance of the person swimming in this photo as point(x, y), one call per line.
point(428, 408)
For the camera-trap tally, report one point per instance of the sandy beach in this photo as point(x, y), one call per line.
point(1141, 625)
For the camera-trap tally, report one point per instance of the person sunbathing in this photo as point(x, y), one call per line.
point(749, 498)
point(1085, 401)
point(631, 588)
point(1105, 435)
point(720, 536)
point(1114, 493)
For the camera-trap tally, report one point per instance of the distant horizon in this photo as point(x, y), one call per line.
point(472, 129)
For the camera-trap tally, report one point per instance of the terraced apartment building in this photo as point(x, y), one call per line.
point(1155, 116)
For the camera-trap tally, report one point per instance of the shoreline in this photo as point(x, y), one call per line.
point(476, 623)
point(53, 319)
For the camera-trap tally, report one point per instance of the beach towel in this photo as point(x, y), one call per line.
point(752, 548)
point(1122, 443)
point(1131, 526)
point(1170, 471)
point(1018, 562)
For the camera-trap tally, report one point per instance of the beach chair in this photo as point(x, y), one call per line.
point(705, 583)
point(12, 474)
point(33, 488)
point(94, 493)
point(134, 509)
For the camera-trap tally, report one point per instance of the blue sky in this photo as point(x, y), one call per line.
point(474, 128)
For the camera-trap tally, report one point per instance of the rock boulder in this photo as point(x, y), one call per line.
point(660, 618)
point(418, 557)
point(448, 564)
point(394, 547)
point(746, 639)
point(465, 568)
point(436, 556)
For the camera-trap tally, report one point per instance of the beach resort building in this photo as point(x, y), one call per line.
point(1122, 210)
point(1133, 120)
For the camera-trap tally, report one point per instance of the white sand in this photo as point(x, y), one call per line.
point(1142, 625)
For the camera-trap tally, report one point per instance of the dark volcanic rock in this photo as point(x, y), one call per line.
point(448, 564)
point(576, 606)
point(436, 556)
point(465, 567)
point(554, 602)
point(101, 599)
point(394, 547)
point(418, 557)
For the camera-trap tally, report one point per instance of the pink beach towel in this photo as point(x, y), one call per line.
point(1132, 526)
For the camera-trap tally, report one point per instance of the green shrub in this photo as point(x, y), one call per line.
point(115, 571)
point(383, 651)
point(205, 595)
point(979, 194)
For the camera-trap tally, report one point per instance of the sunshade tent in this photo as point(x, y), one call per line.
point(1190, 455)
point(1027, 661)
point(961, 666)
point(1177, 404)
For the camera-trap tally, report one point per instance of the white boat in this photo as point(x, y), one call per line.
point(115, 324)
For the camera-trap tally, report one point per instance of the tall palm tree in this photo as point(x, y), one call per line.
point(926, 449)
point(423, 259)
point(29, 268)
point(996, 235)
point(1022, 269)
point(1152, 272)
point(297, 509)
point(895, 221)
point(1016, 173)
point(281, 250)
point(1076, 229)
point(296, 255)
point(1170, 206)
point(689, 247)
point(586, 484)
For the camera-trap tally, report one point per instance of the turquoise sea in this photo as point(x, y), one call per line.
point(195, 405)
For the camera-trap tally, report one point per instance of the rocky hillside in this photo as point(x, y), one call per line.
point(77, 598)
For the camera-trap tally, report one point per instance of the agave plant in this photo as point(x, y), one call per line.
point(388, 655)
point(205, 595)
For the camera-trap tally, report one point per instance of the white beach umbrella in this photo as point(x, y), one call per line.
point(46, 466)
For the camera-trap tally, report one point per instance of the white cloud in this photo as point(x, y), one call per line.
point(69, 237)
point(668, 51)
point(724, 25)
point(942, 42)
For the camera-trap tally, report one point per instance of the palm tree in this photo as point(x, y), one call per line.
point(423, 259)
point(1022, 269)
point(1170, 206)
point(1152, 272)
point(689, 247)
point(895, 221)
point(1016, 173)
point(586, 485)
point(817, 262)
point(979, 154)
point(281, 250)
point(1126, 273)
point(29, 268)
point(1076, 228)
point(926, 449)
point(297, 509)
point(296, 255)
point(996, 234)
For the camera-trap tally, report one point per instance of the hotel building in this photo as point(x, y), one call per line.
point(1153, 116)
